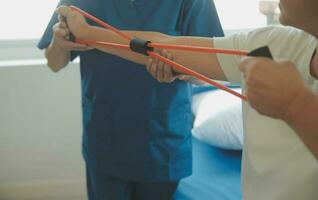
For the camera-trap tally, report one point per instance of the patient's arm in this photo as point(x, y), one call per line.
point(303, 119)
point(203, 63)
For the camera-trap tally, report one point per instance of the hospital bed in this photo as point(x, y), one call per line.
point(216, 172)
point(216, 175)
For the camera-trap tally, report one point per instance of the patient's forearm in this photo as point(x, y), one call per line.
point(304, 122)
point(206, 64)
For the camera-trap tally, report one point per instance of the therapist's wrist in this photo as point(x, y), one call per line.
point(83, 31)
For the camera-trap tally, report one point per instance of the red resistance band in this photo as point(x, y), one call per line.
point(146, 48)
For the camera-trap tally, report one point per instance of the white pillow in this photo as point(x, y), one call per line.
point(218, 119)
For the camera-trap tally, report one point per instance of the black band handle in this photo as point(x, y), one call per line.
point(261, 52)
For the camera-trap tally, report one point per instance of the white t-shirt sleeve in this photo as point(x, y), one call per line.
point(229, 63)
point(285, 43)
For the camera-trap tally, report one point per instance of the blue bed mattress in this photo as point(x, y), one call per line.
point(216, 175)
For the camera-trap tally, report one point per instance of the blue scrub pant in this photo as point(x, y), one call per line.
point(105, 187)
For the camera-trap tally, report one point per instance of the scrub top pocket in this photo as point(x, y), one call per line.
point(171, 123)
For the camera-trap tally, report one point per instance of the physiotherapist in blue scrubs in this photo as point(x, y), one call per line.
point(136, 131)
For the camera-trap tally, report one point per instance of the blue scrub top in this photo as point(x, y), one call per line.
point(133, 126)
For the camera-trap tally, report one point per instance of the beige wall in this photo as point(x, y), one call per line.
point(40, 133)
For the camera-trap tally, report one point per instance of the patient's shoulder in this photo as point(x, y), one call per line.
point(278, 34)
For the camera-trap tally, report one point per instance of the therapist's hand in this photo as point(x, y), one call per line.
point(75, 21)
point(61, 36)
point(162, 71)
point(273, 88)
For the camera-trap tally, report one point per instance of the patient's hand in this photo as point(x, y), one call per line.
point(162, 71)
point(76, 21)
point(273, 88)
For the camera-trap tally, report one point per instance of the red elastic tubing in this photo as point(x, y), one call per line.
point(101, 43)
point(198, 49)
point(164, 46)
point(100, 22)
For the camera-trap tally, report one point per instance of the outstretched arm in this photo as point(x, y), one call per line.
point(202, 63)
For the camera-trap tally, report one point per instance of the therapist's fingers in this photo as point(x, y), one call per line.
point(159, 69)
point(69, 45)
point(59, 32)
point(61, 18)
point(63, 24)
point(152, 67)
point(148, 64)
point(168, 75)
point(155, 70)
point(161, 66)
point(61, 39)
point(64, 11)
point(72, 46)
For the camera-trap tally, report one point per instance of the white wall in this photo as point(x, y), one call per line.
point(40, 133)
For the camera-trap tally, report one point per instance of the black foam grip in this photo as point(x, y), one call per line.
point(261, 52)
point(140, 46)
